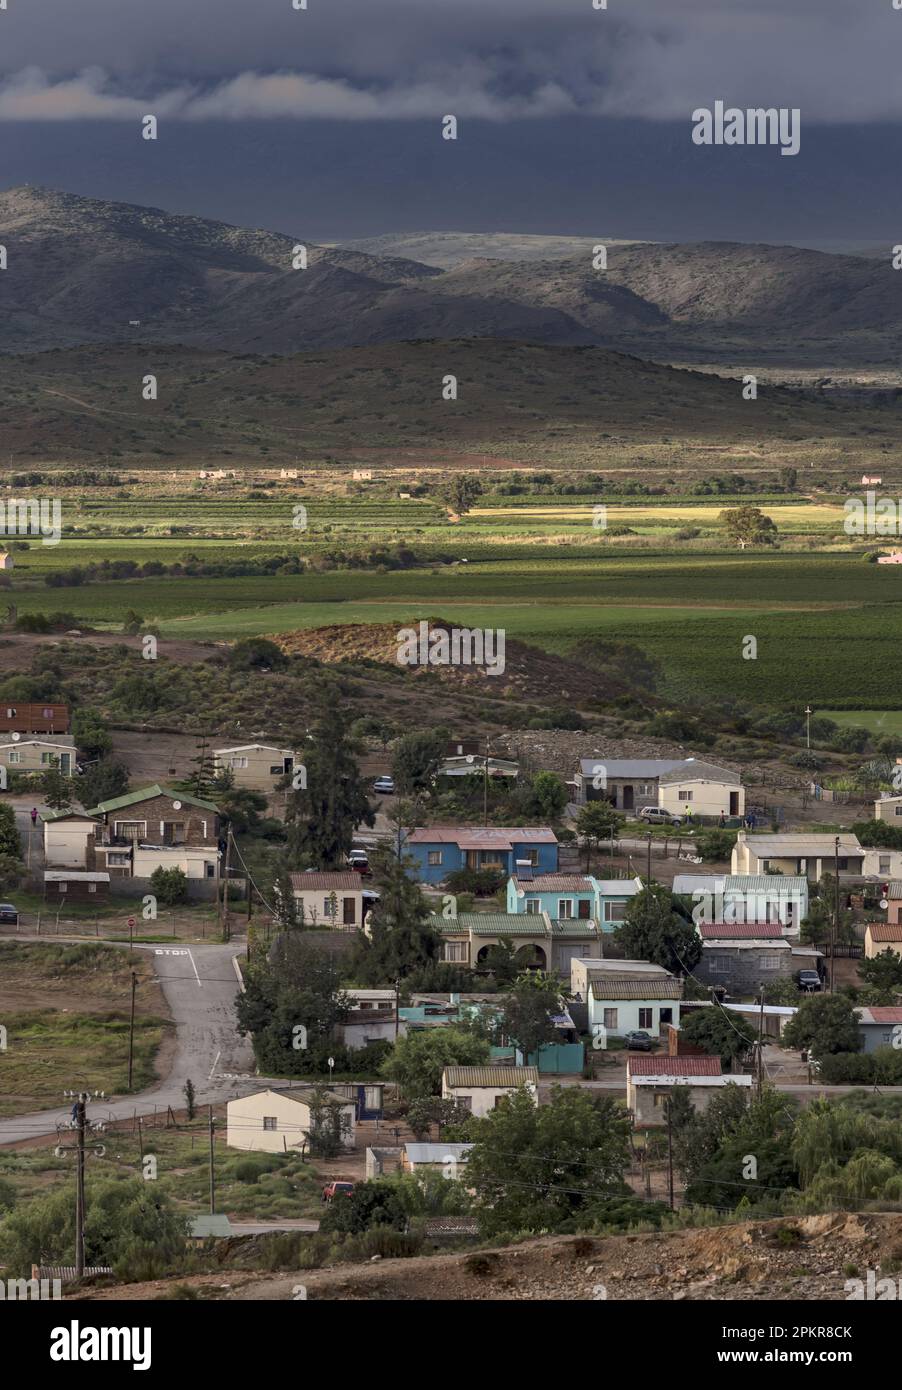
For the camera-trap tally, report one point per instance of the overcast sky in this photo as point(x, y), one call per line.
point(327, 121)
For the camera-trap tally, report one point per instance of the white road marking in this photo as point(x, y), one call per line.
point(194, 968)
point(213, 1068)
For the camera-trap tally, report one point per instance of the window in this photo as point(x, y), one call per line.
point(92, 887)
point(237, 763)
point(884, 862)
point(210, 870)
point(455, 950)
point(685, 796)
point(533, 856)
point(14, 757)
point(62, 887)
point(719, 965)
point(329, 907)
point(130, 829)
point(48, 759)
point(270, 1122)
point(565, 907)
point(10, 714)
point(769, 963)
point(897, 810)
point(645, 789)
point(119, 861)
point(465, 1101)
point(533, 907)
point(48, 713)
point(434, 857)
point(610, 1018)
point(615, 912)
point(645, 1016)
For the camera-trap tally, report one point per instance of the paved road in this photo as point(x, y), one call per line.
point(200, 985)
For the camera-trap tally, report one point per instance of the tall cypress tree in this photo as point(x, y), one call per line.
point(323, 815)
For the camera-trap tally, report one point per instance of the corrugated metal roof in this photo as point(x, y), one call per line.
point(895, 889)
point(629, 767)
point(490, 1076)
point(880, 1013)
point(696, 772)
point(117, 803)
point(610, 987)
point(452, 834)
point(573, 926)
point(673, 1066)
point(885, 931)
point(784, 884)
point(816, 845)
point(550, 883)
point(504, 923)
point(739, 931)
point(436, 1153)
point(325, 880)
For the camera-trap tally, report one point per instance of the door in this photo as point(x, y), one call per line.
point(348, 914)
point(734, 803)
point(585, 908)
point(627, 798)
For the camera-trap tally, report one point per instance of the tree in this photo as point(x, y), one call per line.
point(883, 974)
point(536, 1167)
point(426, 1111)
point(127, 1223)
point(825, 1023)
point(416, 758)
point(418, 1059)
point(12, 872)
point(715, 845)
point(10, 839)
point(107, 779)
point(402, 936)
point(461, 492)
point(501, 961)
point(547, 797)
point(56, 789)
point(293, 1001)
point(91, 737)
point(374, 1203)
point(748, 526)
point(170, 886)
point(257, 653)
point(820, 924)
point(528, 1011)
point(594, 822)
point(190, 1099)
point(329, 1125)
point(789, 478)
point(719, 1032)
point(241, 808)
point(654, 930)
point(323, 816)
point(199, 781)
point(712, 1150)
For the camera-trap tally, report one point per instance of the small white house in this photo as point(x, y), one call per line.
point(66, 837)
point(256, 766)
point(652, 1081)
point(631, 1000)
point(6, 560)
point(333, 900)
point(38, 754)
point(479, 1089)
point(281, 1121)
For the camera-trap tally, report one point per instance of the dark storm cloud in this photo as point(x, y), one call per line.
point(413, 59)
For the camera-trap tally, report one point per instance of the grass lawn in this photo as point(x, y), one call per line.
point(878, 721)
point(66, 1013)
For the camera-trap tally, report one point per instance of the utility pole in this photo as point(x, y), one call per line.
point(131, 1031)
point(761, 1044)
point(212, 1176)
point(485, 786)
point(397, 1002)
point(80, 1119)
point(808, 727)
point(648, 872)
point(834, 934)
point(670, 1152)
point(225, 886)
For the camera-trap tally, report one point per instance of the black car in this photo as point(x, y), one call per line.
point(639, 1041)
point(9, 914)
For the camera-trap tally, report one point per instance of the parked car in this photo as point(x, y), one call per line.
point(384, 784)
point(358, 860)
point(655, 815)
point(9, 914)
point(337, 1189)
point(809, 980)
point(639, 1041)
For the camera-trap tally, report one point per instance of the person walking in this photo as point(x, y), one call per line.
point(722, 820)
point(34, 816)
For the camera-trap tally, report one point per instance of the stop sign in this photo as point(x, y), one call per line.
point(131, 922)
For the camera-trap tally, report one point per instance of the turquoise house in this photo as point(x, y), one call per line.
point(564, 896)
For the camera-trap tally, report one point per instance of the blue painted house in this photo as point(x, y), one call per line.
point(438, 850)
point(564, 896)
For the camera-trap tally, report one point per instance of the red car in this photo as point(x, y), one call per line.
point(336, 1189)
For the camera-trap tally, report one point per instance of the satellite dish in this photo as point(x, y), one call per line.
point(884, 902)
point(16, 738)
point(176, 805)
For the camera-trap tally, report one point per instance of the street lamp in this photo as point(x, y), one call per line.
point(808, 726)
